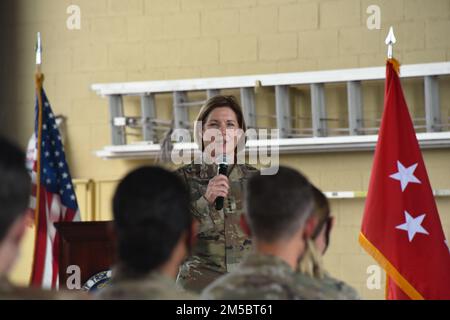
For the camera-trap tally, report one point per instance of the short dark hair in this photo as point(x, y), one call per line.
point(278, 205)
point(15, 185)
point(151, 211)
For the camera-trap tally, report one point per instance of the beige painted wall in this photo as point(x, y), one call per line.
point(125, 40)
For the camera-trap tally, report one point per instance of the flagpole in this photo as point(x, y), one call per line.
point(39, 79)
point(390, 41)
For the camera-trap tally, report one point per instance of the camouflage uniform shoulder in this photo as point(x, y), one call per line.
point(343, 290)
point(152, 287)
point(190, 169)
point(326, 288)
point(308, 288)
point(248, 170)
point(257, 277)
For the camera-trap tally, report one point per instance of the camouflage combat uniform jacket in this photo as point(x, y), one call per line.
point(312, 273)
point(259, 277)
point(326, 288)
point(221, 243)
point(154, 286)
point(340, 290)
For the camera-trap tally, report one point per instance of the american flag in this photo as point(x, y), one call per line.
point(56, 200)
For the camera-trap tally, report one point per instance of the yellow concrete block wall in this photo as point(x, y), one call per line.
point(132, 40)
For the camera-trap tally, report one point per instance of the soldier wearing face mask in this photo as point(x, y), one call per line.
point(310, 268)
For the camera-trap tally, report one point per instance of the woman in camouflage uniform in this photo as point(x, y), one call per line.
point(310, 269)
point(221, 242)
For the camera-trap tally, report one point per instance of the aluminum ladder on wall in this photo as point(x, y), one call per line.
point(321, 139)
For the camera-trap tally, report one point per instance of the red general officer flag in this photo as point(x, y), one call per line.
point(401, 228)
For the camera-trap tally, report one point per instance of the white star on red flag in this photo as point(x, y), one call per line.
point(405, 175)
point(412, 225)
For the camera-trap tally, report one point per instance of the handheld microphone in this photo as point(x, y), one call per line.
point(222, 169)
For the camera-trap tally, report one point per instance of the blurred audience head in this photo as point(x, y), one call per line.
point(15, 188)
point(153, 222)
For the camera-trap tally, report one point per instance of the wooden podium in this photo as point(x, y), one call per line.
point(89, 245)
